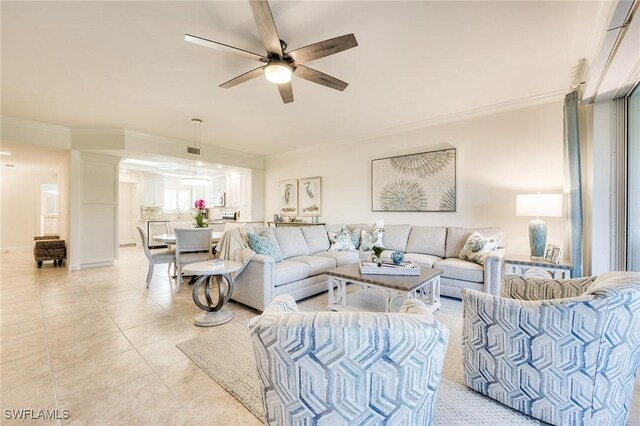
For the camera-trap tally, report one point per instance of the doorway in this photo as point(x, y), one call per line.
point(126, 213)
point(49, 220)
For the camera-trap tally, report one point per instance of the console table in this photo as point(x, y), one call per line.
point(283, 224)
point(520, 264)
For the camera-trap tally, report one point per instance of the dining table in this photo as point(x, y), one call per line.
point(170, 239)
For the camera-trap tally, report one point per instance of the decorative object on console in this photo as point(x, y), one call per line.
point(310, 196)
point(200, 215)
point(397, 257)
point(419, 182)
point(289, 197)
point(477, 247)
point(546, 205)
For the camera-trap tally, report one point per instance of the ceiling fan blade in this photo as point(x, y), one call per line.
point(221, 46)
point(243, 77)
point(323, 48)
point(318, 77)
point(266, 26)
point(286, 92)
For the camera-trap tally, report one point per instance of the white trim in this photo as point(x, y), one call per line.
point(556, 95)
point(31, 124)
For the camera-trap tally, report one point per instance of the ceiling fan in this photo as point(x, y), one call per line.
point(279, 65)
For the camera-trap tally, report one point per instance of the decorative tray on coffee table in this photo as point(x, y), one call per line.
point(389, 268)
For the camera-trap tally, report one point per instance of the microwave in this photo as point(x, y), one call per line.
point(218, 199)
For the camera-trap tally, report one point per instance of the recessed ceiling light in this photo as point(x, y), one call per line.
point(124, 170)
point(219, 166)
point(199, 163)
point(5, 153)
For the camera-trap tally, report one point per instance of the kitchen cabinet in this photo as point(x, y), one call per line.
point(239, 194)
point(219, 184)
point(153, 195)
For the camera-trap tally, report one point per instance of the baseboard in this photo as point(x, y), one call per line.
point(80, 266)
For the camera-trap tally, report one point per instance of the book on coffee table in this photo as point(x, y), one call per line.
point(389, 268)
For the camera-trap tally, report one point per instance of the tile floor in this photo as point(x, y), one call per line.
point(99, 344)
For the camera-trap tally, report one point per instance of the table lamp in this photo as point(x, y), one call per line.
point(549, 205)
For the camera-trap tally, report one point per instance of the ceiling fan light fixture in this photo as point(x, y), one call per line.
point(278, 72)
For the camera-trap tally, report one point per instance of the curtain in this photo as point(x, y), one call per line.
point(573, 184)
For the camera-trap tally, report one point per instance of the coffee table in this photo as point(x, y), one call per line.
point(380, 292)
point(220, 273)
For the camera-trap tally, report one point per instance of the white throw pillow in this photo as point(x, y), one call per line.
point(370, 239)
point(476, 248)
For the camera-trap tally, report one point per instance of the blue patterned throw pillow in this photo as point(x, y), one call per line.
point(341, 241)
point(476, 248)
point(265, 246)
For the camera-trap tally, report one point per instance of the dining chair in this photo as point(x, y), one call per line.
point(192, 245)
point(156, 257)
point(157, 228)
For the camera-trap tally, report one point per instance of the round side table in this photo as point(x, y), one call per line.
point(209, 273)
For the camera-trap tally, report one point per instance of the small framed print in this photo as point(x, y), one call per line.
point(289, 197)
point(552, 253)
point(310, 196)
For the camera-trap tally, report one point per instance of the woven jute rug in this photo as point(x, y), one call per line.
point(226, 355)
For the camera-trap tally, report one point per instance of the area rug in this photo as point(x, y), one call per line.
point(225, 354)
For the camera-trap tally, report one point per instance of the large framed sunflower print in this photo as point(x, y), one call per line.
point(422, 182)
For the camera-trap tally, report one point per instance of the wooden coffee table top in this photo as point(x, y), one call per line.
point(397, 282)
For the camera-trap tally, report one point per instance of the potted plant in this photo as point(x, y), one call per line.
point(200, 215)
point(375, 257)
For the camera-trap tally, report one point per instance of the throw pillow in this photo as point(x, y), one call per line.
point(355, 237)
point(476, 248)
point(265, 245)
point(372, 238)
point(341, 241)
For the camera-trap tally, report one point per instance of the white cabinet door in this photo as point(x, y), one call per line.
point(153, 191)
point(219, 184)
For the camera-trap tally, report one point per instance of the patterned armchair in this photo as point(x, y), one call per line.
point(563, 351)
point(339, 368)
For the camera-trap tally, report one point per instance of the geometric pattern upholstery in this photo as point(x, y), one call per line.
point(341, 368)
point(570, 359)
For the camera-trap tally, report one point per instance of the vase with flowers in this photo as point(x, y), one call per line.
point(200, 216)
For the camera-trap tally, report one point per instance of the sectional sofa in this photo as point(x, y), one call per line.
point(307, 257)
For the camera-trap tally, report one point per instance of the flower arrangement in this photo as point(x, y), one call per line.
point(200, 214)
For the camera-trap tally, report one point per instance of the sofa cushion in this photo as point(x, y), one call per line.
point(459, 269)
point(265, 244)
point(427, 240)
point(395, 237)
point(424, 260)
point(288, 271)
point(457, 237)
point(341, 257)
point(291, 242)
point(316, 238)
point(317, 264)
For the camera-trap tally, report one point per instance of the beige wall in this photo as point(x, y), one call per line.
point(21, 205)
point(498, 156)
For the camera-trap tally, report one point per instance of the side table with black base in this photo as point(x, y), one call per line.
point(520, 264)
point(210, 275)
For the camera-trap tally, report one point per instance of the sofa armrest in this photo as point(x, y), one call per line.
point(538, 288)
point(254, 285)
point(493, 271)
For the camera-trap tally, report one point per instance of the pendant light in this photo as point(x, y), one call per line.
point(195, 150)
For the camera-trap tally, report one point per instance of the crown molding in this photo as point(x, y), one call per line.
point(510, 105)
point(37, 125)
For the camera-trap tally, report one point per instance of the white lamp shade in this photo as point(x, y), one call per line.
point(278, 72)
point(549, 205)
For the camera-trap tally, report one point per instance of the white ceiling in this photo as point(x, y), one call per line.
point(126, 65)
